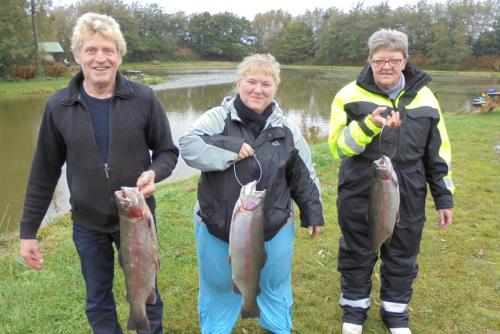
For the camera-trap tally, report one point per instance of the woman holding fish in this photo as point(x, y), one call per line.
point(387, 113)
point(253, 162)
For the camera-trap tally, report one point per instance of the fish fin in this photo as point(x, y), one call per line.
point(395, 181)
point(253, 312)
point(388, 241)
point(157, 264)
point(141, 324)
point(236, 289)
point(152, 297)
point(149, 220)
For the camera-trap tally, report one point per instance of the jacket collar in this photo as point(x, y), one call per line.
point(123, 88)
point(274, 119)
point(414, 80)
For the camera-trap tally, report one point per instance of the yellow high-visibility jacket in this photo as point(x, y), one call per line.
point(421, 141)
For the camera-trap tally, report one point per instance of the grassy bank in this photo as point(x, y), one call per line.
point(49, 85)
point(456, 291)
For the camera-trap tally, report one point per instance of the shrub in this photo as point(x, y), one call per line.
point(486, 63)
point(185, 54)
point(23, 72)
point(55, 70)
point(420, 61)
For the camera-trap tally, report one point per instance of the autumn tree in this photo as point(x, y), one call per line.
point(268, 28)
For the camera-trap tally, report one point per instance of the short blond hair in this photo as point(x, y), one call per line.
point(93, 23)
point(259, 62)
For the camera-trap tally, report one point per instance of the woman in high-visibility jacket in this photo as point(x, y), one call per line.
point(389, 94)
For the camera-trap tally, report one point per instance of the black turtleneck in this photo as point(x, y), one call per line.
point(252, 119)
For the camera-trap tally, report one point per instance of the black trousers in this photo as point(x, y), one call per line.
point(399, 266)
point(398, 270)
point(97, 261)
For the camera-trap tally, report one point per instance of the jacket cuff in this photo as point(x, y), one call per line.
point(27, 233)
point(443, 202)
point(370, 125)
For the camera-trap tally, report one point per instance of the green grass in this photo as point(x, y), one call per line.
point(32, 87)
point(456, 291)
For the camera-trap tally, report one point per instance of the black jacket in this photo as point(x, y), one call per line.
point(138, 124)
point(212, 144)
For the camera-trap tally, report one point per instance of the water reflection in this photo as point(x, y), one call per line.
point(304, 95)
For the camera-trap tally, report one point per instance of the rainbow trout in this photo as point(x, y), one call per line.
point(383, 208)
point(246, 247)
point(138, 254)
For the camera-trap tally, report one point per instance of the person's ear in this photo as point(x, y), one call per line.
point(76, 56)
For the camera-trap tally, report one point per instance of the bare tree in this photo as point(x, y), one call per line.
point(39, 65)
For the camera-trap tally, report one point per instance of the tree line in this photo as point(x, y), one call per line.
point(455, 34)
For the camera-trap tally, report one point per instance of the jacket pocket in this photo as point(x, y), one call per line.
point(414, 134)
point(215, 217)
point(355, 176)
point(413, 191)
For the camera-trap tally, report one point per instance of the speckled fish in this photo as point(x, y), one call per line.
point(246, 247)
point(138, 254)
point(383, 209)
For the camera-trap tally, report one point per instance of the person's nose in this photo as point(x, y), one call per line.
point(386, 65)
point(258, 88)
point(100, 56)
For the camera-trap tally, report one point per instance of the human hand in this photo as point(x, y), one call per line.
point(445, 218)
point(391, 121)
point(146, 183)
point(314, 231)
point(246, 151)
point(31, 253)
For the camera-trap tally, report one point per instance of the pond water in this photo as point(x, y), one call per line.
point(304, 94)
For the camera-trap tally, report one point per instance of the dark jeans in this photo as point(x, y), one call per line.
point(97, 260)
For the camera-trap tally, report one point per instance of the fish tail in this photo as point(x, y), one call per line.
point(250, 311)
point(138, 324)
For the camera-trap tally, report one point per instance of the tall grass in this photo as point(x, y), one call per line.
point(456, 291)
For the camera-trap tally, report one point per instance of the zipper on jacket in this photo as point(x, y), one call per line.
point(106, 170)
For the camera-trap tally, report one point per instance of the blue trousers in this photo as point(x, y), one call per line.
point(219, 307)
point(97, 259)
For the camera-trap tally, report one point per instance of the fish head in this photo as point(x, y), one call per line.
point(250, 197)
point(130, 202)
point(382, 168)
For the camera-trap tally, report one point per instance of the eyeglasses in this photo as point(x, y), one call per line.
point(382, 62)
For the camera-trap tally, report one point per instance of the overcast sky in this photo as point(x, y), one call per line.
point(249, 8)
